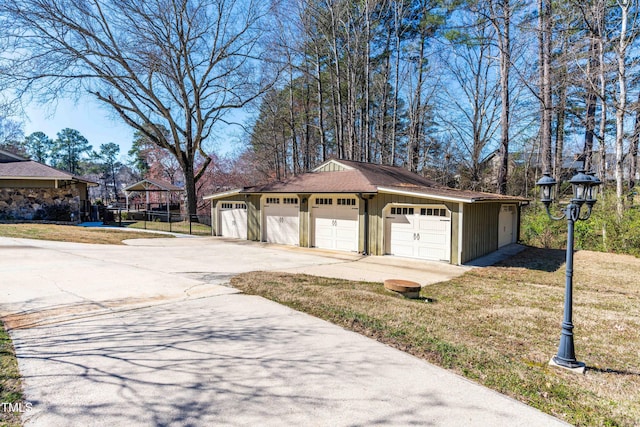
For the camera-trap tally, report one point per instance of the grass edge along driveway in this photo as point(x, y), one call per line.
point(500, 325)
point(72, 233)
point(11, 397)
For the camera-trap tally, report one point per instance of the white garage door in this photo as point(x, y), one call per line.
point(422, 231)
point(335, 223)
point(233, 220)
point(282, 220)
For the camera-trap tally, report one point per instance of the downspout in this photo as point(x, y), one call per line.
point(366, 224)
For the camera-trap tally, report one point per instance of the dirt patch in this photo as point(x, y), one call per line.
point(31, 319)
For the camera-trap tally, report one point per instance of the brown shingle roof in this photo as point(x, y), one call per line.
point(370, 178)
point(360, 178)
point(29, 169)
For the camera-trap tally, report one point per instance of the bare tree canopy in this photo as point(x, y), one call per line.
point(174, 64)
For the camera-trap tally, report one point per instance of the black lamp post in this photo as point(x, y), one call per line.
point(584, 192)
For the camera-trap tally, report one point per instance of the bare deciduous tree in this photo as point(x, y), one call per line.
point(181, 64)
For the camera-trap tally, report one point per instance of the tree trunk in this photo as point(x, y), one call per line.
point(590, 101)
point(292, 124)
point(633, 149)
point(505, 64)
point(545, 84)
point(320, 88)
point(560, 119)
point(190, 187)
point(621, 105)
point(394, 121)
point(603, 104)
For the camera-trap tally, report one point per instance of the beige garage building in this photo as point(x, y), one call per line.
point(372, 209)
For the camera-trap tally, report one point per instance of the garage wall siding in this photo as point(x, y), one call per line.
point(304, 202)
point(480, 230)
point(253, 218)
point(376, 221)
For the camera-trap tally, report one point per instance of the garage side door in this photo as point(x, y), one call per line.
point(233, 220)
point(506, 225)
point(422, 232)
point(282, 220)
point(335, 223)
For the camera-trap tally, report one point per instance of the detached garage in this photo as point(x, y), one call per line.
point(371, 209)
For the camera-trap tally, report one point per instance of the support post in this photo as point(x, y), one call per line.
point(566, 356)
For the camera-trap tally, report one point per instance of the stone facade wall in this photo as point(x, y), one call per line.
point(54, 204)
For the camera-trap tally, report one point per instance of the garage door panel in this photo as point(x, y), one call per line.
point(433, 239)
point(335, 226)
point(435, 252)
point(233, 223)
point(419, 232)
point(282, 224)
point(433, 225)
point(402, 249)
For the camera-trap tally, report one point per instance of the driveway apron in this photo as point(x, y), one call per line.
point(150, 335)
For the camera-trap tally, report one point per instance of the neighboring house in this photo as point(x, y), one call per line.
point(490, 165)
point(372, 209)
point(30, 190)
point(610, 166)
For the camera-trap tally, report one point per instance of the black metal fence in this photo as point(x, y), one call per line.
point(159, 220)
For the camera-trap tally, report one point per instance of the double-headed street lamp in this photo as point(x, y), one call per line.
point(584, 192)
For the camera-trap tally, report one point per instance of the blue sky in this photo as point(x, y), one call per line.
point(93, 122)
point(99, 125)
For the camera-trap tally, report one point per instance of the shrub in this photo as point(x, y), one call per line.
point(603, 232)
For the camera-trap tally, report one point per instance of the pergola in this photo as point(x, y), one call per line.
point(149, 185)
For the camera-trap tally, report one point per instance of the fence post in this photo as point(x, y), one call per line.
point(190, 224)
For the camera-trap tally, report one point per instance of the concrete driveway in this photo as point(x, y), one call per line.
point(148, 334)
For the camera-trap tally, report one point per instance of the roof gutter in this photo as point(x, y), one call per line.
point(431, 196)
point(223, 194)
point(453, 199)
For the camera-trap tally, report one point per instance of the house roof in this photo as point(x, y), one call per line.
point(149, 184)
point(356, 177)
point(15, 167)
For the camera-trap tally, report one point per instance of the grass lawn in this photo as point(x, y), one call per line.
point(71, 233)
point(176, 227)
point(499, 326)
point(10, 385)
